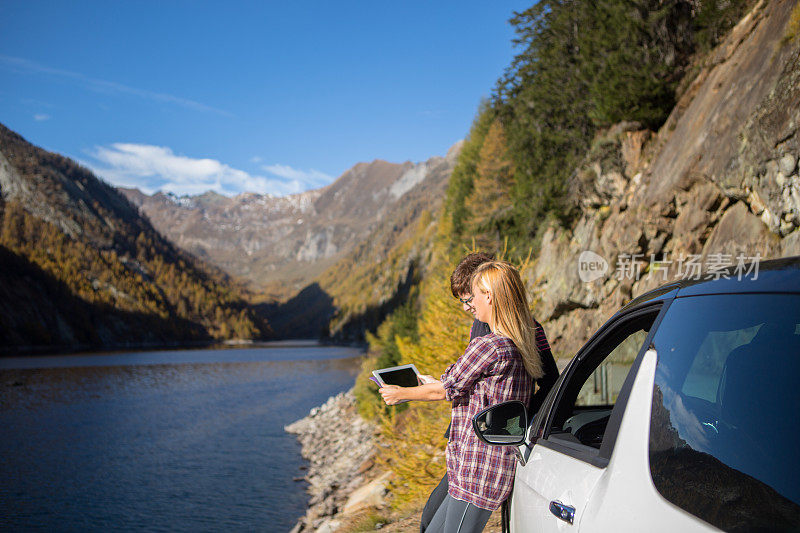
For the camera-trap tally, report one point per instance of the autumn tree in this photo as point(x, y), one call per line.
point(489, 203)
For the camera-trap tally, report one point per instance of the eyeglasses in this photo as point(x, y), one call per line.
point(466, 301)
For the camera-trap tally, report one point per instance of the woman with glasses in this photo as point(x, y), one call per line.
point(495, 368)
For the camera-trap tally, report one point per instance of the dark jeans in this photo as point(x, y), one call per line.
point(433, 503)
point(455, 516)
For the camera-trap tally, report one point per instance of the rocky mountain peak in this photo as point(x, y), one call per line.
point(286, 241)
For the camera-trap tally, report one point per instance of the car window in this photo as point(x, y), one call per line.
point(703, 378)
point(603, 386)
point(723, 425)
point(590, 392)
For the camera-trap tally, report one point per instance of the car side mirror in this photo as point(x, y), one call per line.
point(503, 424)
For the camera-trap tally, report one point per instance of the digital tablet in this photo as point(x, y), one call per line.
point(403, 375)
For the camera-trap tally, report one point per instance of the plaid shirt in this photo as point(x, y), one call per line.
point(490, 372)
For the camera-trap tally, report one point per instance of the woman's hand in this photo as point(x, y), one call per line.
point(392, 394)
point(425, 378)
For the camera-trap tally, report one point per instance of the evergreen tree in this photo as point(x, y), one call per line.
point(631, 56)
point(489, 204)
point(542, 101)
point(463, 176)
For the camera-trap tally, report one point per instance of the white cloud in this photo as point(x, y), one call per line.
point(255, 159)
point(153, 168)
point(311, 177)
point(41, 117)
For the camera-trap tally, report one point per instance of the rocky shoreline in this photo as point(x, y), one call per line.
point(343, 480)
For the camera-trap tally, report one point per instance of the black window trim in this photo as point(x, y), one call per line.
point(584, 453)
point(615, 421)
point(541, 416)
point(593, 456)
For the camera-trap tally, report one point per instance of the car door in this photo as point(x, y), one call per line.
point(578, 430)
point(709, 436)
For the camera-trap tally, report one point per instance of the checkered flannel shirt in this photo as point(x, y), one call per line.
point(490, 372)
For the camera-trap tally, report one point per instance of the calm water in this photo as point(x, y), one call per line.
point(187, 440)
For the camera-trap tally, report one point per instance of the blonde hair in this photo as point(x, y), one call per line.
point(511, 315)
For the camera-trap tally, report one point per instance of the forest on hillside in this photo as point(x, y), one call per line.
point(79, 267)
point(581, 68)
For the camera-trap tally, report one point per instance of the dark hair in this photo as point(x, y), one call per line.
point(461, 278)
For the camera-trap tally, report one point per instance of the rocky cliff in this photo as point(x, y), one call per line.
point(718, 184)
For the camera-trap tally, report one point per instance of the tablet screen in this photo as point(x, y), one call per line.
point(405, 377)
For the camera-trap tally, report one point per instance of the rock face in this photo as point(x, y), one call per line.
point(339, 446)
point(288, 241)
point(718, 184)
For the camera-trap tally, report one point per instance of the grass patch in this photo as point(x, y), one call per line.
point(793, 26)
point(369, 521)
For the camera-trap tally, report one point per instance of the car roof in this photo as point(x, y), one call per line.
point(776, 275)
point(772, 276)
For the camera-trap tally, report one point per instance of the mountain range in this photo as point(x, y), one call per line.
point(278, 245)
point(88, 265)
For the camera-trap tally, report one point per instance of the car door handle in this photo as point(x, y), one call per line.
point(563, 512)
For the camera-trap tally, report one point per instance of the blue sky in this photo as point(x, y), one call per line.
point(268, 97)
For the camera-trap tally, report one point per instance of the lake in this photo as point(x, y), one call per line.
point(184, 440)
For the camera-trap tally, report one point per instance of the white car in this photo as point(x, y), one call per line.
point(681, 413)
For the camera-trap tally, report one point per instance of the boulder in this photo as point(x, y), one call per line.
point(791, 245)
point(741, 232)
point(371, 495)
point(787, 164)
point(632, 145)
point(555, 276)
point(328, 526)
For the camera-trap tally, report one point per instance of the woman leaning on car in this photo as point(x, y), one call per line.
point(495, 368)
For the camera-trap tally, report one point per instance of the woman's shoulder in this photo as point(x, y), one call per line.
point(504, 346)
point(486, 342)
point(496, 340)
